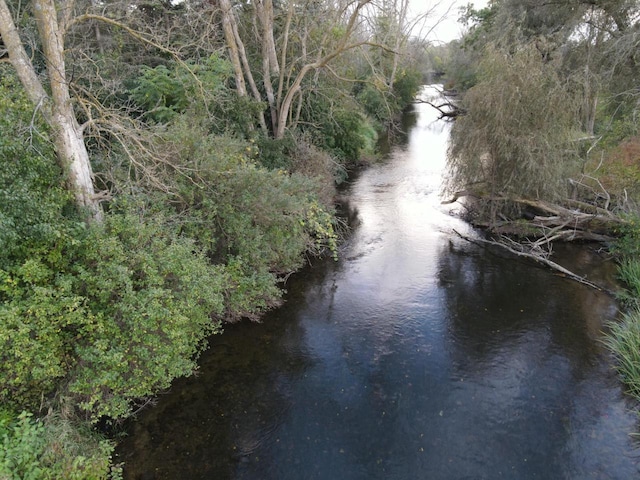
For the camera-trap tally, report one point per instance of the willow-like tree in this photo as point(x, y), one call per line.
point(555, 79)
point(516, 137)
point(56, 106)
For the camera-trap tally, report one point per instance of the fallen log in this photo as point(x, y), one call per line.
point(596, 224)
point(538, 258)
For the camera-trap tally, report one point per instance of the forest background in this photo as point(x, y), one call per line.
point(165, 166)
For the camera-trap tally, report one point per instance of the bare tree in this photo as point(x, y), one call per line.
point(335, 35)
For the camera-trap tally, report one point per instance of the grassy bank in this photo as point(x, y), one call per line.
point(623, 337)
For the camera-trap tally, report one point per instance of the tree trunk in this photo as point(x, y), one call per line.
point(19, 58)
point(264, 9)
point(270, 67)
point(58, 111)
point(342, 46)
point(239, 57)
point(232, 46)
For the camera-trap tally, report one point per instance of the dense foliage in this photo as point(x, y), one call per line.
point(623, 336)
point(52, 448)
point(214, 167)
point(516, 137)
point(550, 96)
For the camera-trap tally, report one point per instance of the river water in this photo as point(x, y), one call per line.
point(417, 355)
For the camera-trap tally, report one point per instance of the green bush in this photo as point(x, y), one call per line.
point(111, 313)
point(115, 316)
point(275, 154)
point(257, 222)
point(161, 93)
point(623, 337)
point(627, 246)
point(202, 89)
point(52, 449)
point(340, 128)
point(627, 250)
point(245, 210)
point(153, 298)
point(375, 104)
point(406, 87)
point(32, 195)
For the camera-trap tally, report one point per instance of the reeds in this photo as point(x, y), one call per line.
point(629, 273)
point(623, 340)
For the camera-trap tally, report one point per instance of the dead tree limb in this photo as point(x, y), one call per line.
point(537, 258)
point(447, 109)
point(575, 221)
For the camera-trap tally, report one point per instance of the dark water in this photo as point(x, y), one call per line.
point(417, 356)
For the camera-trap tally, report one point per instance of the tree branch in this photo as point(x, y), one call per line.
point(508, 245)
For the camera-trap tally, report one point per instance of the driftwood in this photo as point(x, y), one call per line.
point(517, 249)
point(544, 224)
point(577, 221)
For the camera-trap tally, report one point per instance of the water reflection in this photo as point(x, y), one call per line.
point(525, 359)
point(418, 355)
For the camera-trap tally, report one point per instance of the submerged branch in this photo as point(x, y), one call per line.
point(518, 250)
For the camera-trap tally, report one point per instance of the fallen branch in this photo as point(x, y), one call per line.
point(585, 222)
point(539, 259)
point(447, 110)
point(457, 195)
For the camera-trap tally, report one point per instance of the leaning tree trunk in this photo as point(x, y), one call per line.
point(58, 110)
point(232, 46)
point(238, 57)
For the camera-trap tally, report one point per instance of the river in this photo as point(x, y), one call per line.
point(416, 355)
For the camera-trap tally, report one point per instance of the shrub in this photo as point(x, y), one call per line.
point(152, 299)
point(257, 222)
point(258, 215)
point(406, 87)
point(32, 195)
point(618, 170)
point(112, 313)
point(627, 246)
point(375, 104)
point(339, 128)
point(623, 337)
point(52, 448)
point(275, 154)
point(318, 165)
point(166, 91)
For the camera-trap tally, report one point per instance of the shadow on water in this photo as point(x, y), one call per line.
point(416, 356)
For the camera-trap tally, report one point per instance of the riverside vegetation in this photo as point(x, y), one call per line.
point(547, 138)
point(163, 168)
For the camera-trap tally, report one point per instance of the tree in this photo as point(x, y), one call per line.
point(285, 48)
point(515, 139)
point(57, 108)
